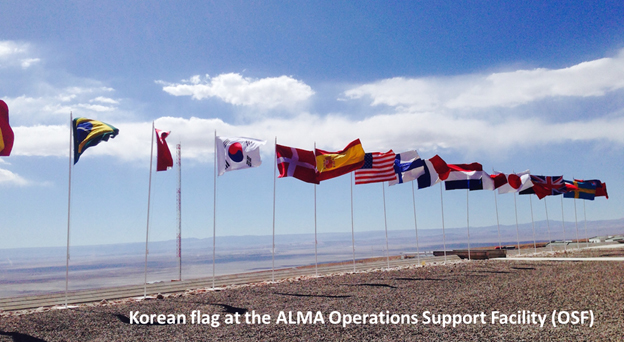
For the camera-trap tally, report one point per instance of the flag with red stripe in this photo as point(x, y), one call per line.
point(378, 167)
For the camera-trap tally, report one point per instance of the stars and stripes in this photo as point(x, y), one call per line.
point(378, 167)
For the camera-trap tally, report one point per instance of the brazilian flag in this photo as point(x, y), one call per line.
point(88, 133)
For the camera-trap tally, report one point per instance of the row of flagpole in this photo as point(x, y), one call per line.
point(315, 218)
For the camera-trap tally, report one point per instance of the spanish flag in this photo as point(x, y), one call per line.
point(6, 133)
point(89, 133)
point(334, 164)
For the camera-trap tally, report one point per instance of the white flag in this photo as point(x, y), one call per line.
point(516, 182)
point(237, 153)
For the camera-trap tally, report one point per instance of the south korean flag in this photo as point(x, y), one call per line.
point(237, 153)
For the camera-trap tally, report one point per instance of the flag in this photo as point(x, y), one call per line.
point(512, 182)
point(295, 162)
point(584, 190)
point(334, 164)
point(407, 167)
point(6, 133)
point(88, 133)
point(601, 188)
point(237, 153)
point(164, 159)
point(545, 186)
point(378, 167)
point(468, 176)
point(433, 168)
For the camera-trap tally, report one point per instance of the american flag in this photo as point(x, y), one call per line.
point(378, 167)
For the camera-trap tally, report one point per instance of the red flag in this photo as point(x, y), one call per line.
point(6, 133)
point(164, 159)
point(602, 190)
point(295, 162)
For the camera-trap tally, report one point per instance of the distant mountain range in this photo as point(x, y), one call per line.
point(27, 271)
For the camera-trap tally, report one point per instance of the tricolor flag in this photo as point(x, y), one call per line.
point(6, 133)
point(468, 176)
point(545, 186)
point(88, 133)
point(408, 166)
point(295, 162)
point(512, 182)
point(584, 190)
point(378, 167)
point(334, 164)
point(237, 153)
point(433, 168)
point(164, 159)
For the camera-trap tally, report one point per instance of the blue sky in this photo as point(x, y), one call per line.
point(512, 85)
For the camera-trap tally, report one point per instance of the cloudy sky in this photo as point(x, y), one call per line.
point(512, 85)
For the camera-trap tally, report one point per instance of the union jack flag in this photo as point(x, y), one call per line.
point(548, 185)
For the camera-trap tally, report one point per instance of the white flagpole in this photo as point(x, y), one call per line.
point(517, 231)
point(565, 244)
point(214, 213)
point(383, 188)
point(533, 224)
point(149, 196)
point(71, 132)
point(585, 217)
point(315, 240)
point(468, 221)
point(179, 211)
point(578, 245)
point(415, 224)
point(497, 220)
point(548, 224)
point(443, 234)
point(352, 228)
point(274, 181)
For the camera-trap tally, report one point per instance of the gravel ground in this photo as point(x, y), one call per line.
point(462, 288)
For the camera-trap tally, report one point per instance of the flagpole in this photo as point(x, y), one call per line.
point(497, 220)
point(315, 240)
point(383, 188)
point(214, 211)
point(548, 225)
point(443, 234)
point(585, 217)
point(179, 211)
point(578, 245)
point(71, 131)
point(352, 228)
point(149, 196)
point(415, 224)
point(533, 224)
point(274, 181)
point(517, 232)
point(565, 244)
point(468, 221)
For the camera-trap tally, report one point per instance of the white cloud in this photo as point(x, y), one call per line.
point(9, 178)
point(271, 92)
point(503, 89)
point(103, 99)
point(333, 132)
point(53, 105)
point(16, 54)
point(26, 63)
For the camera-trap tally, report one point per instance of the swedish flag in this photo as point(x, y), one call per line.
point(586, 190)
point(89, 133)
